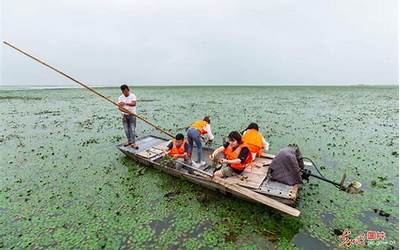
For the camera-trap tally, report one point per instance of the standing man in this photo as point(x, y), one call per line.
point(127, 101)
point(195, 134)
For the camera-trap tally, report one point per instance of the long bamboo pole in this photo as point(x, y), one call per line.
point(245, 192)
point(90, 89)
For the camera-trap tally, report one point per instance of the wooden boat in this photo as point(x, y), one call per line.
point(253, 184)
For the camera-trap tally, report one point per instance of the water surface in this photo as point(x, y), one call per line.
point(65, 185)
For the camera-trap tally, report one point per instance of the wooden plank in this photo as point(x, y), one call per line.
point(150, 153)
point(295, 191)
point(277, 189)
point(252, 176)
point(262, 162)
point(265, 155)
point(258, 197)
point(162, 145)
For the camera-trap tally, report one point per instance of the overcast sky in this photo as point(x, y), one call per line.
point(201, 42)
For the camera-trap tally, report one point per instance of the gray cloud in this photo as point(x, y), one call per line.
point(202, 42)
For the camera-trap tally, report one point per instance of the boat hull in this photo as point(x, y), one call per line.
point(148, 142)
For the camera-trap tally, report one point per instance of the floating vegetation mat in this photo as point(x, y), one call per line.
point(64, 184)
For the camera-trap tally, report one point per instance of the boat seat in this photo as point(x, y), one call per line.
point(253, 175)
point(278, 189)
point(152, 151)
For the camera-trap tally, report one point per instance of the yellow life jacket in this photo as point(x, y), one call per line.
point(200, 126)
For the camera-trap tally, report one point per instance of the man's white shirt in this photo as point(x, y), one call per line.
point(127, 99)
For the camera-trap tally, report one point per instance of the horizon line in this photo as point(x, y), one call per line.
point(35, 86)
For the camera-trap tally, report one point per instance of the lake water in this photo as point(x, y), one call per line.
point(64, 184)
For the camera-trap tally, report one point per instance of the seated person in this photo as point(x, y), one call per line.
point(254, 140)
point(237, 156)
point(178, 148)
point(287, 166)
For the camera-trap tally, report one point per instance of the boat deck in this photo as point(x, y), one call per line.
point(255, 176)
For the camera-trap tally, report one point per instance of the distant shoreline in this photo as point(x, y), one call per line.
point(37, 87)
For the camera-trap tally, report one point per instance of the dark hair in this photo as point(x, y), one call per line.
point(123, 87)
point(207, 119)
point(179, 137)
point(235, 136)
point(252, 125)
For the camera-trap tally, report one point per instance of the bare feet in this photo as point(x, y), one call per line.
point(133, 145)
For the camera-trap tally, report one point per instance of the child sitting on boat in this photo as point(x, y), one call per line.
point(178, 148)
point(236, 156)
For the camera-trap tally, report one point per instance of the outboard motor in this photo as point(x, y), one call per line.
point(287, 166)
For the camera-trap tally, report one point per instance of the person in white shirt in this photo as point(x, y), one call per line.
point(196, 132)
point(127, 101)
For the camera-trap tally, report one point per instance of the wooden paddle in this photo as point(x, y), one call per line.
point(90, 89)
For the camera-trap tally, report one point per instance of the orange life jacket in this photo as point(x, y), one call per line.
point(254, 140)
point(175, 150)
point(200, 126)
point(234, 154)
